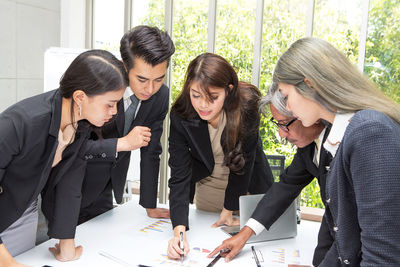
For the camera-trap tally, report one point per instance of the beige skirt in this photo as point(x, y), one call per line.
point(210, 194)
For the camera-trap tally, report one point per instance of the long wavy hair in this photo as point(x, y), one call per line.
point(240, 106)
point(334, 82)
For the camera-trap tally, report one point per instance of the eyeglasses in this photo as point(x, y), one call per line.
point(284, 127)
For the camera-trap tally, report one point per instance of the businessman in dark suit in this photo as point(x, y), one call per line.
point(145, 52)
point(311, 160)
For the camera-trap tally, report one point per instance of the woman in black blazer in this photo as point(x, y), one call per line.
point(213, 101)
point(42, 142)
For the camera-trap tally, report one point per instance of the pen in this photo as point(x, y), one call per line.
point(214, 261)
point(255, 256)
point(182, 249)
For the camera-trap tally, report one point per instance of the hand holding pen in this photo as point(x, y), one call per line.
point(222, 253)
point(178, 247)
point(235, 244)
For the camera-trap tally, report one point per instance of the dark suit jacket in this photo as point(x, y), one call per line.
point(103, 166)
point(191, 159)
point(298, 175)
point(63, 187)
point(28, 141)
point(362, 190)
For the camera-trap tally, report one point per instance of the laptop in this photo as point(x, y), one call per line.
point(284, 227)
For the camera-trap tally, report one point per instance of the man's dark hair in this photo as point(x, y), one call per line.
point(148, 43)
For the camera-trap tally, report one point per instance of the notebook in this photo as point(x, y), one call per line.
point(284, 227)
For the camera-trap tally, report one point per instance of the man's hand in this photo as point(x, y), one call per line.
point(158, 213)
point(138, 137)
point(66, 250)
point(234, 244)
point(225, 218)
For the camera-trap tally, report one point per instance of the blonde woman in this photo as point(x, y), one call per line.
point(363, 182)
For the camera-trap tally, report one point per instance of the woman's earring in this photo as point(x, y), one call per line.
point(80, 111)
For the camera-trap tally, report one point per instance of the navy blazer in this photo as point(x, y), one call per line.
point(28, 141)
point(191, 159)
point(362, 192)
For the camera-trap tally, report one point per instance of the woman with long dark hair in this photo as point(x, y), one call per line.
point(42, 141)
point(215, 151)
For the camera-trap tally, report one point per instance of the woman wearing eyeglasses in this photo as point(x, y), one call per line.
point(215, 151)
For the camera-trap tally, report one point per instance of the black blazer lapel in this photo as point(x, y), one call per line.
point(311, 167)
point(144, 110)
point(324, 162)
point(52, 139)
point(325, 157)
point(198, 133)
point(120, 118)
point(69, 155)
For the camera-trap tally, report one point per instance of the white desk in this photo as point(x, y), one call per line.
point(117, 232)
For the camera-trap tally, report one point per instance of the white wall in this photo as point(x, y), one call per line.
point(73, 34)
point(73, 23)
point(27, 29)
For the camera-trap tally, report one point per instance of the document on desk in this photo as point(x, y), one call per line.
point(158, 226)
point(196, 257)
point(156, 255)
point(279, 256)
point(145, 242)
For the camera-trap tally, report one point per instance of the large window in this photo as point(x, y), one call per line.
point(284, 21)
point(339, 22)
point(190, 22)
point(108, 24)
point(148, 12)
point(235, 34)
point(382, 61)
